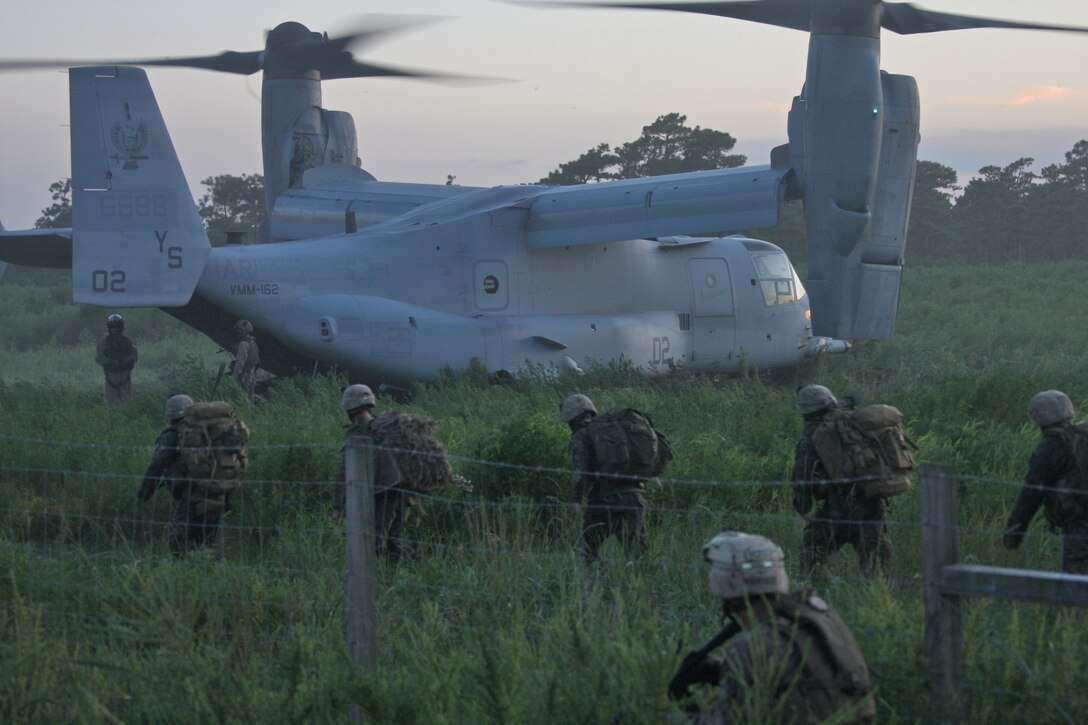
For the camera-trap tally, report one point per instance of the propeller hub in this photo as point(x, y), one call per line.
point(287, 33)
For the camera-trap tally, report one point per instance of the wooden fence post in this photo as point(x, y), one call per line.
point(362, 616)
point(943, 626)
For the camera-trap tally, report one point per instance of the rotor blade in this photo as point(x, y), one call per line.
point(226, 62)
point(321, 54)
point(906, 19)
point(352, 68)
point(902, 18)
point(375, 28)
point(229, 61)
point(794, 14)
point(332, 57)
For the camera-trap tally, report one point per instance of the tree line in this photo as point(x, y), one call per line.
point(1005, 213)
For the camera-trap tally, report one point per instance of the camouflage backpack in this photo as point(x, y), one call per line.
point(626, 444)
point(835, 677)
point(212, 442)
point(420, 456)
point(870, 445)
point(1070, 502)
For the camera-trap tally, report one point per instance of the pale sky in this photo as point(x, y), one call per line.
point(582, 77)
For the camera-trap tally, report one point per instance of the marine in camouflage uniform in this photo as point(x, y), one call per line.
point(391, 504)
point(785, 657)
point(247, 358)
point(610, 506)
point(117, 356)
point(195, 517)
point(843, 515)
point(1053, 467)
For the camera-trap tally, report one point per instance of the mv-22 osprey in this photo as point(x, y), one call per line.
point(394, 281)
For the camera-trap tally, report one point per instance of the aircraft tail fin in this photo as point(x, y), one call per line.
point(137, 240)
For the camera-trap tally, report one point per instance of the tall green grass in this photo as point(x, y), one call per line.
point(499, 621)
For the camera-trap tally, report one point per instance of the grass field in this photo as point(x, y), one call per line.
point(499, 621)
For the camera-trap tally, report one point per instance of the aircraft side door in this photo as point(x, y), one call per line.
point(714, 320)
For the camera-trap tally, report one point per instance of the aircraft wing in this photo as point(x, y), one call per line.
point(719, 202)
point(716, 202)
point(37, 247)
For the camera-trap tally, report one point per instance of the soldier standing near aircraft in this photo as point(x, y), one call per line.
point(611, 505)
point(247, 358)
point(1056, 481)
point(787, 658)
point(117, 356)
point(844, 515)
point(390, 503)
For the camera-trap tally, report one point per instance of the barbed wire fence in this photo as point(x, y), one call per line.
point(83, 516)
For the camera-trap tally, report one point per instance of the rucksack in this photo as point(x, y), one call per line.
point(869, 445)
point(120, 350)
point(839, 671)
point(1070, 503)
point(212, 448)
point(626, 444)
point(420, 456)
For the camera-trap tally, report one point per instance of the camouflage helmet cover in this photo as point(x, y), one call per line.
point(745, 564)
point(176, 405)
point(115, 320)
point(357, 396)
point(574, 406)
point(243, 327)
point(814, 398)
point(1050, 407)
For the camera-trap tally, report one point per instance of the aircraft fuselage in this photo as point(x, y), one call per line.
point(399, 305)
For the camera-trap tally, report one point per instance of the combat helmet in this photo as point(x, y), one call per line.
point(745, 564)
point(813, 399)
point(357, 396)
point(1050, 407)
point(243, 328)
point(574, 406)
point(176, 405)
point(115, 320)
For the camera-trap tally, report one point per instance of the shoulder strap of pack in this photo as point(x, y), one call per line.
point(827, 440)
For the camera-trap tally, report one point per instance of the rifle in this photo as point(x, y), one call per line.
point(693, 670)
point(218, 377)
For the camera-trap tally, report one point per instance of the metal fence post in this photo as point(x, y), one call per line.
point(943, 626)
point(362, 617)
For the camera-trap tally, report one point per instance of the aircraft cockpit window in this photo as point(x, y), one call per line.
point(777, 279)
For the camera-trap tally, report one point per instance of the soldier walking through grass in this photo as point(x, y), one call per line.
point(390, 503)
point(786, 657)
point(200, 457)
point(1057, 481)
point(844, 515)
point(611, 457)
point(117, 356)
